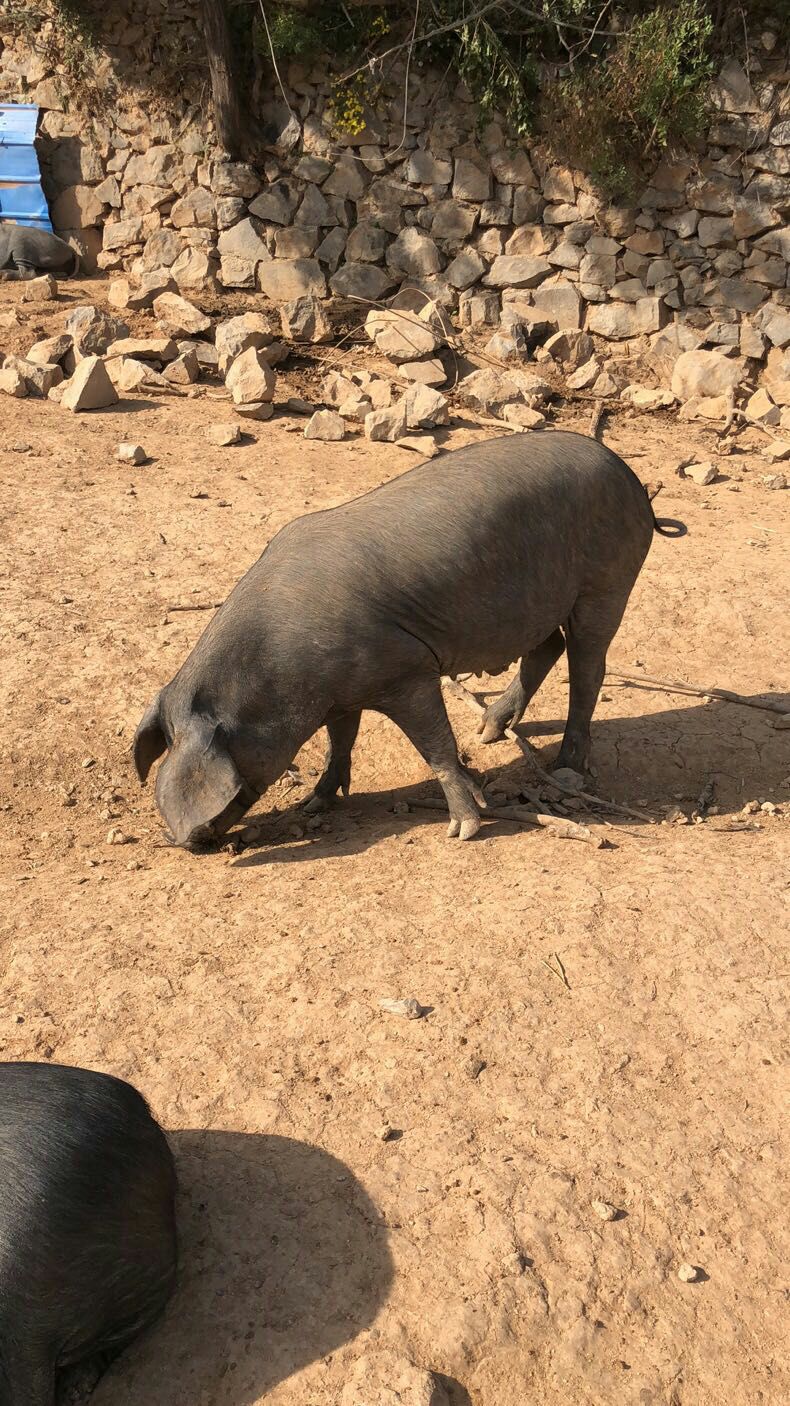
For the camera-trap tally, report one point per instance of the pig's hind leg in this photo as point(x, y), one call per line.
point(337, 770)
point(590, 629)
point(418, 710)
point(510, 707)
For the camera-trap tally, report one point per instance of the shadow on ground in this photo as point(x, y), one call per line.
point(655, 760)
point(283, 1259)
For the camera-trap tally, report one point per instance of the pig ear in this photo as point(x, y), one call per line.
point(197, 781)
point(149, 740)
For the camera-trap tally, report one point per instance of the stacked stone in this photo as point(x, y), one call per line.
point(485, 227)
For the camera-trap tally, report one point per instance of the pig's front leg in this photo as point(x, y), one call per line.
point(337, 771)
point(511, 706)
point(419, 711)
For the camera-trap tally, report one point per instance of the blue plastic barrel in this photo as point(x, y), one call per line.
point(22, 200)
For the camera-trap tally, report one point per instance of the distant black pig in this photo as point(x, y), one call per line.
point(517, 548)
point(87, 1223)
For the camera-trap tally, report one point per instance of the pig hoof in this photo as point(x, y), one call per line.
point(492, 725)
point(314, 805)
point(464, 829)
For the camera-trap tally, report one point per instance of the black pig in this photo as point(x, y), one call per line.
point(518, 548)
point(87, 1223)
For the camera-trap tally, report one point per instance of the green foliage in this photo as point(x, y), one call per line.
point(615, 116)
point(330, 28)
point(493, 62)
point(493, 55)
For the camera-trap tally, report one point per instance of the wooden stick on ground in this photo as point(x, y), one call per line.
point(595, 422)
point(458, 691)
point(198, 605)
point(677, 686)
point(555, 824)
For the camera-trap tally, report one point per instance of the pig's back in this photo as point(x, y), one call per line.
point(483, 552)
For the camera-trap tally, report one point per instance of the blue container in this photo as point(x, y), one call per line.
point(22, 201)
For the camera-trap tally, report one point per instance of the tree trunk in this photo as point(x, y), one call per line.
point(224, 83)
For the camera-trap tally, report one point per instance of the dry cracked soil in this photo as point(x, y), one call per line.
point(241, 991)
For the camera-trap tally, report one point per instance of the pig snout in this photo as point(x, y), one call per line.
point(87, 1222)
point(199, 789)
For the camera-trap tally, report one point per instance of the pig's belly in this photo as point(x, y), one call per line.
point(490, 641)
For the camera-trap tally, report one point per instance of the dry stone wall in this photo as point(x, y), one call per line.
point(491, 229)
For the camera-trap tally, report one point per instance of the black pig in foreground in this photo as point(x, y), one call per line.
point(517, 548)
point(87, 1223)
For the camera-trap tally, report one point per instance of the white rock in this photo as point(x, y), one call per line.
point(688, 1273)
point(647, 397)
point(13, 383)
point(304, 320)
point(255, 410)
point(402, 335)
point(423, 444)
point(605, 1210)
point(90, 388)
point(402, 1005)
point(761, 410)
point(179, 318)
point(185, 370)
point(325, 424)
point(238, 334)
point(388, 424)
point(40, 290)
point(702, 473)
point(425, 407)
point(250, 378)
point(523, 416)
point(355, 408)
point(144, 348)
point(705, 373)
point(226, 434)
point(428, 373)
point(131, 454)
point(585, 376)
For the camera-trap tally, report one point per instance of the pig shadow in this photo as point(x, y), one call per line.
point(283, 1258)
point(652, 761)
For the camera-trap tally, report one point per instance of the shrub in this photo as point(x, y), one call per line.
point(615, 117)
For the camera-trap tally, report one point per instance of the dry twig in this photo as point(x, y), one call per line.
point(677, 686)
point(559, 970)
point(198, 605)
point(519, 815)
point(458, 691)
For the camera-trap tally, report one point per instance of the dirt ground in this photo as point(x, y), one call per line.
point(241, 992)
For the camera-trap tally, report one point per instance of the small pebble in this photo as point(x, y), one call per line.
point(688, 1273)
point(88, 762)
point(131, 454)
point(407, 1006)
point(605, 1210)
point(117, 837)
point(223, 435)
point(476, 1067)
point(400, 808)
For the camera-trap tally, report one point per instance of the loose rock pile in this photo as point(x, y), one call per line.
point(95, 362)
point(501, 236)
